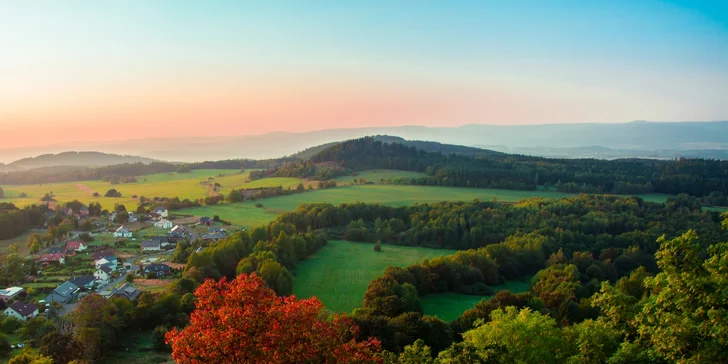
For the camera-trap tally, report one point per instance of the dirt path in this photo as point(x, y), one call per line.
point(85, 188)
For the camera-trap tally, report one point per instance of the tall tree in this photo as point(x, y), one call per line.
point(244, 321)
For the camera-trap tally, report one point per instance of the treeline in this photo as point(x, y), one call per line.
point(125, 173)
point(696, 177)
point(675, 316)
point(14, 221)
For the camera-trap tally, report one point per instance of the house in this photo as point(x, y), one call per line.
point(83, 282)
point(126, 291)
point(76, 246)
point(164, 241)
point(9, 293)
point(216, 230)
point(163, 224)
point(159, 270)
point(122, 232)
point(22, 310)
point(83, 212)
point(161, 211)
point(102, 254)
point(46, 259)
point(63, 293)
point(133, 217)
point(213, 236)
point(179, 231)
point(103, 274)
point(112, 217)
point(110, 261)
point(55, 249)
point(151, 245)
point(204, 221)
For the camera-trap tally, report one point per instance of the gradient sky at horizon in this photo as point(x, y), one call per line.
point(116, 70)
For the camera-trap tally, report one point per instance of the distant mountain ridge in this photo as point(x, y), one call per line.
point(72, 160)
point(633, 139)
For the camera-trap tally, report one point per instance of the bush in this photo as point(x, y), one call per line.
point(259, 205)
point(4, 346)
point(96, 194)
point(378, 246)
point(86, 237)
point(10, 324)
point(129, 277)
point(158, 338)
point(112, 193)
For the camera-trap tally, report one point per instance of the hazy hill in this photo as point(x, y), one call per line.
point(71, 160)
point(427, 146)
point(638, 139)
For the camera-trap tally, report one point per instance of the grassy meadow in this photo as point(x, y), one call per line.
point(449, 306)
point(376, 176)
point(341, 271)
point(247, 215)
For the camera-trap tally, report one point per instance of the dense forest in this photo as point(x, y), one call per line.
point(15, 221)
point(575, 250)
point(696, 177)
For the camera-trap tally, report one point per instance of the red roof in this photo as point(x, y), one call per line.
point(74, 245)
point(51, 257)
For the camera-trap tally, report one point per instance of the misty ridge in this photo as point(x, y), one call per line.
point(637, 139)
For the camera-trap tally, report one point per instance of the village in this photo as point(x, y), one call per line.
point(112, 259)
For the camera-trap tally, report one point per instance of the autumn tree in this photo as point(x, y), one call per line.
point(243, 321)
point(62, 348)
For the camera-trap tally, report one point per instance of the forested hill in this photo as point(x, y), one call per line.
point(427, 146)
point(697, 177)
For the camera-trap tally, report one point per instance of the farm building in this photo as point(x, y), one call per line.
point(163, 224)
point(122, 232)
point(22, 310)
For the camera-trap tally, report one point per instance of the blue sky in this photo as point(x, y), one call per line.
point(253, 67)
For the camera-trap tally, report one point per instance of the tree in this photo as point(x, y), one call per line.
point(158, 339)
point(270, 329)
point(514, 336)
point(129, 277)
point(28, 358)
point(2, 194)
point(96, 323)
point(63, 348)
point(378, 246)
point(112, 193)
point(4, 346)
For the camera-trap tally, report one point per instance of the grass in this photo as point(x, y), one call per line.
point(449, 306)
point(341, 271)
point(247, 215)
point(136, 348)
point(20, 241)
point(182, 185)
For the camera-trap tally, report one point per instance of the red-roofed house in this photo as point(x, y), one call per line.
point(76, 246)
point(52, 258)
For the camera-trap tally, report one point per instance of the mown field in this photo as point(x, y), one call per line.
point(341, 271)
point(449, 306)
point(247, 215)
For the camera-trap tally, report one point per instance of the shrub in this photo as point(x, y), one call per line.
point(10, 324)
point(4, 346)
point(378, 246)
point(86, 237)
point(112, 193)
point(259, 205)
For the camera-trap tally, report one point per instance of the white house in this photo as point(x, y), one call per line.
point(22, 310)
point(111, 262)
point(163, 224)
point(122, 232)
point(161, 211)
point(9, 293)
point(103, 274)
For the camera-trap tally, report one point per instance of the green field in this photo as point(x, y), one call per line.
point(341, 271)
point(190, 185)
point(247, 215)
point(376, 176)
point(449, 306)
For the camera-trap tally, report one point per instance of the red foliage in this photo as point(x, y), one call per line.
point(243, 321)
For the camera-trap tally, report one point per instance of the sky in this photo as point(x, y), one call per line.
point(117, 70)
